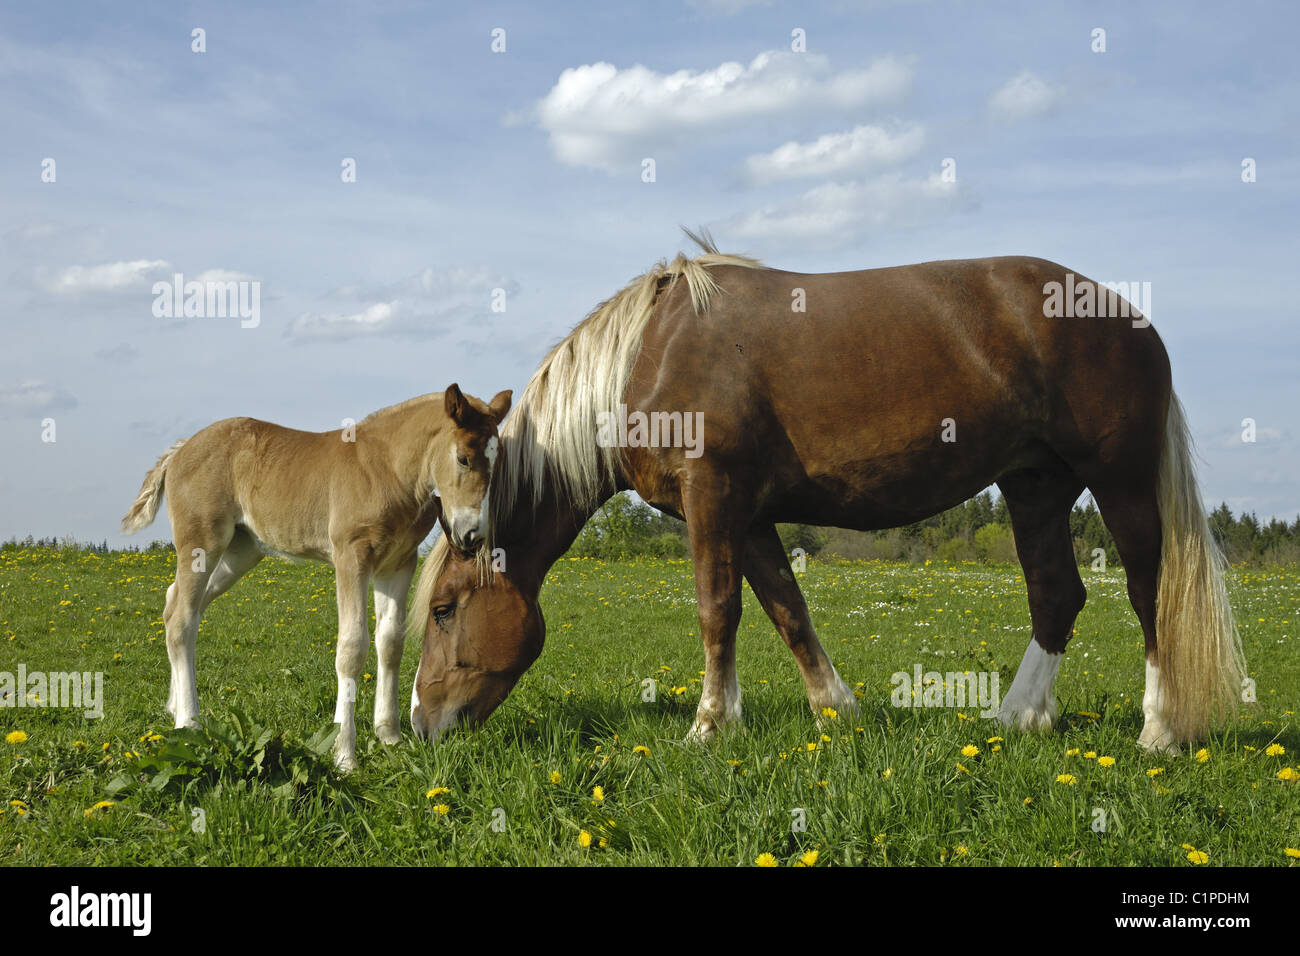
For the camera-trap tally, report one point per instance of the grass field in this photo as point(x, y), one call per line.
point(887, 786)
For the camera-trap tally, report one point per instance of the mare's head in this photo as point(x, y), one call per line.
point(482, 631)
point(463, 463)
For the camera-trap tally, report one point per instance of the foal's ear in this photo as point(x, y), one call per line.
point(499, 405)
point(455, 404)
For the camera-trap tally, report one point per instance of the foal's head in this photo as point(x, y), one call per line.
point(463, 464)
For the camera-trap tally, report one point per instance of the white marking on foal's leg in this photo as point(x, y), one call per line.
point(390, 634)
point(1156, 735)
point(1030, 703)
point(182, 635)
point(349, 658)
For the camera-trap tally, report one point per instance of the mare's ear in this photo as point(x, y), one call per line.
point(455, 404)
point(500, 404)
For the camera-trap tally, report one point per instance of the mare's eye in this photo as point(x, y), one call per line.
point(462, 460)
point(442, 612)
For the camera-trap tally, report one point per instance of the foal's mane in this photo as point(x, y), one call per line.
point(401, 407)
point(549, 439)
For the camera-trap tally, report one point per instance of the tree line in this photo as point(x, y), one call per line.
point(975, 530)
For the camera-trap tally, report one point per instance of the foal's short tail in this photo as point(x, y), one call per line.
point(146, 504)
point(1199, 650)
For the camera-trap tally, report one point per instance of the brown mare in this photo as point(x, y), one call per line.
point(899, 393)
point(361, 498)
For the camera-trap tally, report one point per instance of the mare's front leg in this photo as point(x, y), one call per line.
point(352, 584)
point(390, 634)
point(717, 540)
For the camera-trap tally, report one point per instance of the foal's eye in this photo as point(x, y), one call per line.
point(462, 460)
point(442, 612)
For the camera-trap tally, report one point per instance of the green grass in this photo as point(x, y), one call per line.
point(885, 788)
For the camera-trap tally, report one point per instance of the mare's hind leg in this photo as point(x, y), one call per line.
point(1040, 501)
point(768, 571)
point(390, 632)
point(199, 547)
point(1133, 519)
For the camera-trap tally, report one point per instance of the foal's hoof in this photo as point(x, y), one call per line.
point(345, 763)
point(702, 731)
point(388, 734)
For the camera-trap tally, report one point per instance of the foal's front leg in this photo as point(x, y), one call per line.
point(390, 634)
point(352, 584)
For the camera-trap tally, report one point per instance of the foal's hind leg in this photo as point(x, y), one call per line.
point(390, 632)
point(240, 557)
point(768, 571)
point(1040, 501)
point(199, 547)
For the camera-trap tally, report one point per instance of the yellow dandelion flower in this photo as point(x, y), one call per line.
point(1288, 773)
point(437, 792)
point(1292, 852)
point(1072, 752)
point(825, 739)
point(16, 737)
point(1198, 857)
point(1155, 772)
point(829, 712)
point(1275, 750)
point(765, 859)
point(1090, 755)
point(887, 772)
point(641, 749)
point(1028, 800)
point(102, 805)
point(584, 839)
point(994, 740)
point(960, 850)
point(962, 769)
point(441, 809)
point(555, 776)
point(598, 794)
point(1202, 755)
point(1068, 779)
point(969, 750)
point(1105, 761)
point(808, 859)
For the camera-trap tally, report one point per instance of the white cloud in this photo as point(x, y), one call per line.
point(598, 115)
point(431, 300)
point(35, 395)
point(836, 212)
point(108, 277)
point(856, 150)
point(1023, 96)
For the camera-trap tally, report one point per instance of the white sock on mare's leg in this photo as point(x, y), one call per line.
point(1030, 704)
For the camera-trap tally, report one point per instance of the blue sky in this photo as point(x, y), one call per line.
point(522, 171)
